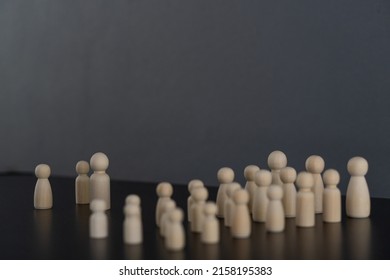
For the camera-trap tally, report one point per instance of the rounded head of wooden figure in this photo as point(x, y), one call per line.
point(195, 184)
point(331, 177)
point(133, 199)
point(82, 167)
point(169, 205)
point(305, 180)
point(225, 175)
point(131, 210)
point(176, 215)
point(263, 178)
point(164, 189)
point(277, 160)
point(241, 196)
point(200, 194)
point(210, 208)
point(315, 164)
point(250, 171)
point(357, 166)
point(98, 205)
point(42, 171)
point(99, 162)
point(275, 192)
point(231, 188)
point(288, 175)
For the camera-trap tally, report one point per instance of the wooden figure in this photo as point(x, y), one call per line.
point(229, 203)
point(263, 179)
point(225, 176)
point(82, 182)
point(43, 196)
point(250, 186)
point(305, 216)
point(132, 225)
point(210, 230)
point(275, 213)
point(164, 192)
point(175, 238)
point(99, 180)
point(332, 197)
point(241, 223)
point(288, 176)
point(98, 221)
point(193, 184)
point(276, 161)
point(315, 165)
point(200, 196)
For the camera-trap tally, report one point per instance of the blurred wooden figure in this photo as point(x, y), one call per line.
point(82, 182)
point(225, 176)
point(275, 213)
point(43, 196)
point(263, 179)
point(250, 186)
point(288, 175)
point(305, 200)
point(241, 223)
point(315, 165)
point(210, 230)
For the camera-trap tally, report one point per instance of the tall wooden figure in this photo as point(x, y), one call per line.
point(358, 204)
point(332, 197)
point(315, 165)
point(43, 196)
point(250, 186)
point(225, 176)
point(305, 200)
point(99, 180)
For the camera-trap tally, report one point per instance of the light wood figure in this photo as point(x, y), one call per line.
point(164, 192)
point(305, 200)
point(315, 165)
point(288, 175)
point(132, 225)
point(358, 202)
point(276, 161)
point(210, 231)
point(175, 238)
point(98, 221)
point(82, 182)
point(200, 196)
point(275, 212)
point(193, 184)
point(168, 207)
point(263, 179)
point(332, 197)
point(250, 186)
point(99, 181)
point(225, 176)
point(43, 196)
point(241, 223)
point(229, 203)
point(133, 199)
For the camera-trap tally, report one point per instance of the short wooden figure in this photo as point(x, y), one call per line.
point(210, 231)
point(43, 196)
point(250, 186)
point(241, 223)
point(175, 238)
point(82, 182)
point(305, 200)
point(275, 212)
point(99, 180)
point(263, 179)
point(332, 197)
point(225, 176)
point(358, 201)
point(229, 203)
point(132, 225)
point(315, 165)
point(193, 184)
point(164, 192)
point(288, 176)
point(98, 221)
point(200, 196)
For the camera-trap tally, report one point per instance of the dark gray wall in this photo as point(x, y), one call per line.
point(173, 90)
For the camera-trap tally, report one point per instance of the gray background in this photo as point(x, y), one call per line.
point(173, 90)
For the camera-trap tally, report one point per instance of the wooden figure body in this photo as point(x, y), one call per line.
point(164, 192)
point(275, 213)
point(315, 165)
point(332, 197)
point(241, 223)
point(358, 201)
point(225, 176)
point(132, 225)
point(193, 184)
point(99, 180)
point(276, 161)
point(82, 183)
point(229, 203)
point(305, 216)
point(200, 196)
point(43, 196)
point(288, 176)
point(98, 221)
point(250, 186)
point(263, 179)
point(175, 238)
point(210, 231)
point(168, 207)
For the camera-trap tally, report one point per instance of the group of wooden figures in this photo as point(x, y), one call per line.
point(269, 196)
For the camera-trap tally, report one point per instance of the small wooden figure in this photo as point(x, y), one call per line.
point(263, 179)
point(332, 197)
point(133, 199)
point(275, 213)
point(315, 165)
point(43, 196)
point(164, 192)
point(276, 161)
point(99, 180)
point(288, 176)
point(229, 203)
point(250, 186)
point(132, 225)
point(98, 221)
point(210, 231)
point(358, 202)
point(193, 184)
point(168, 207)
point(225, 176)
point(200, 196)
point(241, 223)
point(175, 238)
point(82, 182)
point(305, 200)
